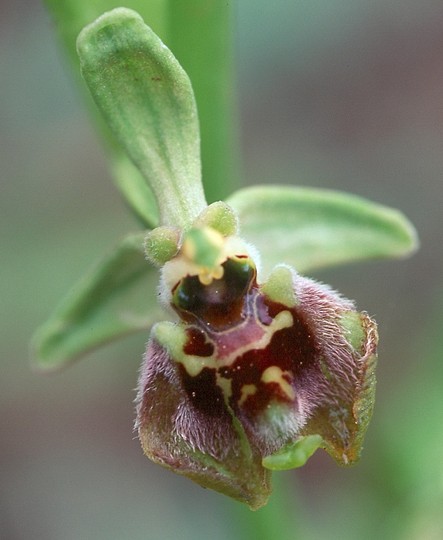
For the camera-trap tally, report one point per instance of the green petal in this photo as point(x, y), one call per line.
point(147, 100)
point(117, 298)
point(315, 228)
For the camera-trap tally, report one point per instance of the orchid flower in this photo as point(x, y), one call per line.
point(257, 365)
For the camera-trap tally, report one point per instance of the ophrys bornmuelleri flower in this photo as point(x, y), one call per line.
point(258, 365)
point(252, 371)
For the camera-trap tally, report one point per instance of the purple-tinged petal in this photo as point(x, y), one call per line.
point(317, 374)
point(193, 433)
point(343, 389)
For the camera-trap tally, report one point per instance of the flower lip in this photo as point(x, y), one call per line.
point(255, 368)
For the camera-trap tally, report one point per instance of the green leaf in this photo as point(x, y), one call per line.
point(118, 297)
point(315, 228)
point(147, 100)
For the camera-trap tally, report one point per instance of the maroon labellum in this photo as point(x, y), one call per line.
point(249, 371)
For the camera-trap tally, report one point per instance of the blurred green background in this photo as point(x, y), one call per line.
point(344, 94)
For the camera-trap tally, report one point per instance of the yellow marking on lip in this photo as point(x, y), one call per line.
point(274, 374)
point(282, 320)
point(195, 364)
point(207, 275)
point(173, 338)
point(225, 385)
point(246, 391)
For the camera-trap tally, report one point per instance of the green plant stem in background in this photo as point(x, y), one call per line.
point(200, 36)
point(279, 519)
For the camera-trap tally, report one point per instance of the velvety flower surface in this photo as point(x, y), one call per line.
point(250, 369)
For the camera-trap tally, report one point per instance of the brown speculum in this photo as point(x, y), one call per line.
point(255, 352)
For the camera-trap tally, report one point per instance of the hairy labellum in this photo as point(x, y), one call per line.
point(251, 371)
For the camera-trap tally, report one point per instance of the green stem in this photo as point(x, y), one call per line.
point(200, 36)
point(275, 520)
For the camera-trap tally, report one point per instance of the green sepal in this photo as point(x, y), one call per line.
point(137, 194)
point(116, 298)
point(70, 16)
point(294, 455)
point(199, 32)
point(315, 228)
point(148, 102)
